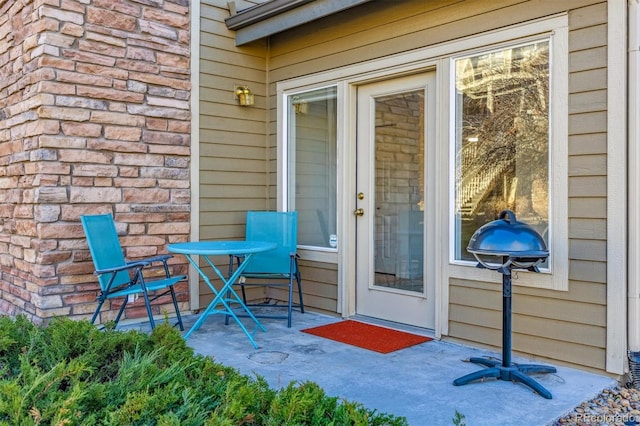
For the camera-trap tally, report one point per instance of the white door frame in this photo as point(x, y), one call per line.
point(416, 309)
point(347, 82)
point(347, 202)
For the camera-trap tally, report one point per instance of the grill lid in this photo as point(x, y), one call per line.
point(507, 237)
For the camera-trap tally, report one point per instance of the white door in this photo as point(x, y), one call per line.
point(394, 193)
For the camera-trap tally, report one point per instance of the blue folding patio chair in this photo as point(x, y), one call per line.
point(273, 268)
point(120, 278)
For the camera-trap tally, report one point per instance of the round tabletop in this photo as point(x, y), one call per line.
point(214, 248)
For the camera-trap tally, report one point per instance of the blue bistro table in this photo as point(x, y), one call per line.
point(226, 295)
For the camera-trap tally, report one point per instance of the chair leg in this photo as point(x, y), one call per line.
point(124, 303)
point(300, 292)
point(226, 315)
point(95, 314)
point(175, 305)
point(244, 293)
point(290, 305)
point(148, 306)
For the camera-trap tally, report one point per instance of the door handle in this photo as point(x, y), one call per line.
point(359, 212)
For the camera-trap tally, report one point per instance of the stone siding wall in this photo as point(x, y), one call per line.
point(94, 118)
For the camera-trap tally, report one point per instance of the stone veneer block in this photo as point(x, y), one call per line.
point(94, 118)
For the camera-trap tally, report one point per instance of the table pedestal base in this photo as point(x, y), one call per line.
point(513, 373)
point(226, 295)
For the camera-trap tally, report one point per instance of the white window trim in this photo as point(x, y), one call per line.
point(436, 56)
point(556, 276)
point(311, 253)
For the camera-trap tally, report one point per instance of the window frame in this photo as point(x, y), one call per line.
point(287, 169)
point(555, 275)
point(312, 253)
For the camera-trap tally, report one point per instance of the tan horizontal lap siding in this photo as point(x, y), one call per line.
point(380, 29)
point(233, 156)
point(568, 327)
point(320, 286)
point(546, 324)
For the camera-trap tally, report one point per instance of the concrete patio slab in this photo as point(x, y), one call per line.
point(415, 382)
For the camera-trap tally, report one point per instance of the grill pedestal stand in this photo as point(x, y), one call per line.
point(506, 370)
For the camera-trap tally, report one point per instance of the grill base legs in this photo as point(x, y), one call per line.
point(505, 369)
point(513, 373)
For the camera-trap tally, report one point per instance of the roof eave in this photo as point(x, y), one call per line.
point(261, 12)
point(276, 16)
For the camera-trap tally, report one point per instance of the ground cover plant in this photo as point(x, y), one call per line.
point(71, 373)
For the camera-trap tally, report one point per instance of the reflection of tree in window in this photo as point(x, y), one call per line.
point(502, 136)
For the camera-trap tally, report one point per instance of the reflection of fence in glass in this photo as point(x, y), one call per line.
point(502, 146)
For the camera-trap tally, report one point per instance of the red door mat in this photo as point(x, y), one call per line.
point(367, 336)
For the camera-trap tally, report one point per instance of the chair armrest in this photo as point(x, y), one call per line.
point(161, 258)
point(129, 265)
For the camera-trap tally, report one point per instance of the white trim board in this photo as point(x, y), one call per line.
point(617, 31)
point(194, 277)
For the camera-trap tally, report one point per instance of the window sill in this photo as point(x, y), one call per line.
point(318, 254)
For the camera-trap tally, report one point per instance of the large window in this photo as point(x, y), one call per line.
point(502, 137)
point(311, 152)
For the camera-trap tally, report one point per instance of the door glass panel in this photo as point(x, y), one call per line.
point(399, 191)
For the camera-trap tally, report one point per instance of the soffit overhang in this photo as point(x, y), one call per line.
point(275, 16)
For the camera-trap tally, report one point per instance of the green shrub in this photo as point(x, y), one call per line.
point(70, 373)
